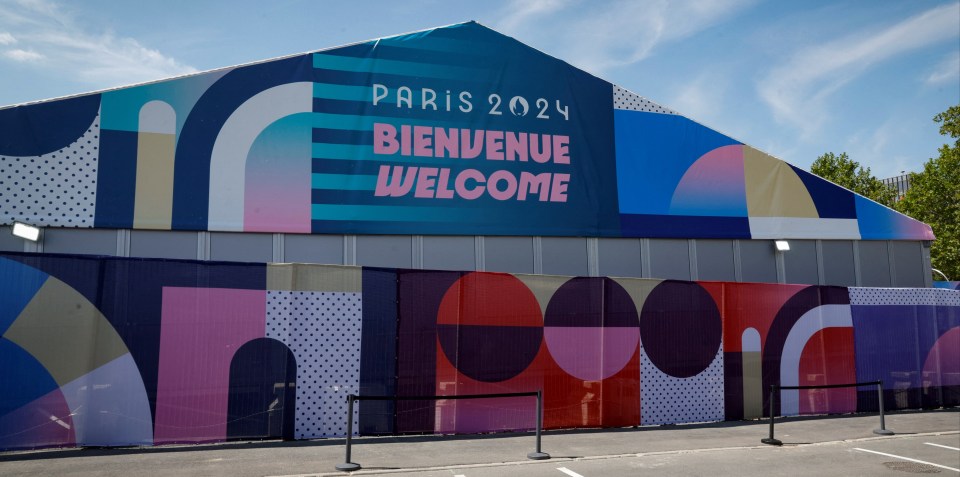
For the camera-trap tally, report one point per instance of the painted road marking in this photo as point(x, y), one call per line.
point(907, 458)
point(568, 472)
point(941, 445)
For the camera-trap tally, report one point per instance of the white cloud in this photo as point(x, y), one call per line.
point(23, 55)
point(797, 90)
point(599, 36)
point(50, 38)
point(7, 39)
point(947, 70)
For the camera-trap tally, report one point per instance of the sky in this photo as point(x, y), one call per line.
point(795, 79)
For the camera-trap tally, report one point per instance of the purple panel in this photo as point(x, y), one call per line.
point(419, 299)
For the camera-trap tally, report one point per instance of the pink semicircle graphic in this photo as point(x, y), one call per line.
point(592, 353)
point(713, 186)
point(942, 366)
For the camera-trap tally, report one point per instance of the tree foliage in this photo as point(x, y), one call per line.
point(934, 197)
point(842, 170)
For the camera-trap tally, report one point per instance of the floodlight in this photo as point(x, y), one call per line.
point(783, 246)
point(26, 232)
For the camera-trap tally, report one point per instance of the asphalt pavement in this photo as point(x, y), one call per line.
point(924, 442)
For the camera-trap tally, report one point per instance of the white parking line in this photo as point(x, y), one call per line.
point(907, 458)
point(941, 445)
point(568, 472)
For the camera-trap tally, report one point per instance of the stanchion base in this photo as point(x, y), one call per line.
point(538, 456)
point(348, 467)
point(883, 432)
point(771, 441)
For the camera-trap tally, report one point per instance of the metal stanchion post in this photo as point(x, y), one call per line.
point(771, 440)
point(883, 425)
point(538, 454)
point(348, 466)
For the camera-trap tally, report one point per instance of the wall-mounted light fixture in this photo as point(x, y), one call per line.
point(782, 246)
point(26, 232)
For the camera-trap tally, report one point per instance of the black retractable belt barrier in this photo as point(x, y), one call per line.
point(773, 387)
point(349, 466)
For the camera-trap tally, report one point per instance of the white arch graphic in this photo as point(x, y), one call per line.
point(228, 161)
point(819, 318)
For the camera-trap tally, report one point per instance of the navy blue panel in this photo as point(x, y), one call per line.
point(194, 147)
point(682, 226)
point(22, 380)
point(832, 201)
point(27, 129)
point(385, 51)
point(81, 272)
point(378, 359)
point(338, 166)
point(116, 179)
point(261, 402)
point(343, 136)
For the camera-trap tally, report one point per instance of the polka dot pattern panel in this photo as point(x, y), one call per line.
point(54, 189)
point(665, 399)
point(904, 296)
point(627, 100)
point(323, 330)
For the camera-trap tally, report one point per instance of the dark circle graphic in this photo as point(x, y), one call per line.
point(489, 326)
point(591, 301)
point(680, 328)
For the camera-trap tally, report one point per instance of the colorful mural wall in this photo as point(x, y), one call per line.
point(456, 130)
point(117, 351)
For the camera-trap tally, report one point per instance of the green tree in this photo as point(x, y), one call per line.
point(934, 197)
point(842, 170)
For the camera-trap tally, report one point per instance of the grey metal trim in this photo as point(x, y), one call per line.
point(893, 265)
point(858, 278)
point(480, 256)
point(537, 255)
point(737, 266)
point(203, 246)
point(927, 264)
point(593, 256)
point(278, 248)
point(821, 280)
point(416, 252)
point(123, 243)
point(692, 253)
point(349, 249)
point(781, 265)
point(645, 258)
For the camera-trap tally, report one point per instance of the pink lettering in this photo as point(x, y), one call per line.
point(443, 192)
point(540, 152)
point(426, 179)
point(534, 184)
point(395, 185)
point(498, 177)
point(517, 146)
point(494, 145)
point(422, 141)
point(461, 184)
point(468, 149)
point(558, 191)
point(561, 149)
point(446, 144)
point(385, 139)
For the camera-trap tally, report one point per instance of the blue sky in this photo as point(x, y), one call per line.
point(793, 78)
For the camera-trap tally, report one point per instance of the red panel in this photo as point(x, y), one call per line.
point(828, 358)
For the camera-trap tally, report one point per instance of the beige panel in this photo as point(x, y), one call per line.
point(65, 332)
point(153, 206)
point(752, 385)
point(638, 289)
point(543, 287)
point(310, 277)
point(773, 189)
